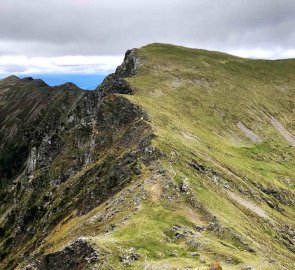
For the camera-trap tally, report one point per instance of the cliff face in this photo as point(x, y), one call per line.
point(63, 150)
point(182, 158)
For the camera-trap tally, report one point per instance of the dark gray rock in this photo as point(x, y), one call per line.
point(56, 132)
point(79, 255)
point(199, 228)
point(194, 243)
point(184, 186)
point(129, 257)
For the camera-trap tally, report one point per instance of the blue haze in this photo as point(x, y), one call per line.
point(84, 81)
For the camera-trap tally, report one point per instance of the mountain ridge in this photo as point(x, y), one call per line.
point(175, 161)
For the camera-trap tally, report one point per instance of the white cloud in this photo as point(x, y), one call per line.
point(103, 65)
point(81, 28)
point(21, 64)
point(259, 53)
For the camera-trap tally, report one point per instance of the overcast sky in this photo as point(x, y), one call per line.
point(91, 36)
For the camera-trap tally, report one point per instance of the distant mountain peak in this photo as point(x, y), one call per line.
point(70, 85)
point(11, 79)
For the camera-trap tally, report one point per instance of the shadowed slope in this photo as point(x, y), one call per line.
point(181, 158)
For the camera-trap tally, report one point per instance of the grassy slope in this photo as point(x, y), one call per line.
point(195, 99)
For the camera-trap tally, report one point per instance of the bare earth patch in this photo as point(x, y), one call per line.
point(156, 191)
point(282, 130)
point(249, 205)
point(189, 136)
point(249, 133)
point(192, 215)
point(157, 93)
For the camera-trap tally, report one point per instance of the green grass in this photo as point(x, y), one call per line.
point(147, 234)
point(194, 99)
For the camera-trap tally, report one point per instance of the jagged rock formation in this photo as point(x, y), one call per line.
point(62, 150)
point(181, 159)
point(116, 83)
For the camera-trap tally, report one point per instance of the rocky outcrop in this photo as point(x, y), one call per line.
point(115, 82)
point(78, 255)
point(78, 149)
point(82, 185)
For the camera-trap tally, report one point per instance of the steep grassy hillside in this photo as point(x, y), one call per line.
point(181, 159)
point(226, 127)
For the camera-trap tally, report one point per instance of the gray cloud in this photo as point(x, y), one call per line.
point(35, 28)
